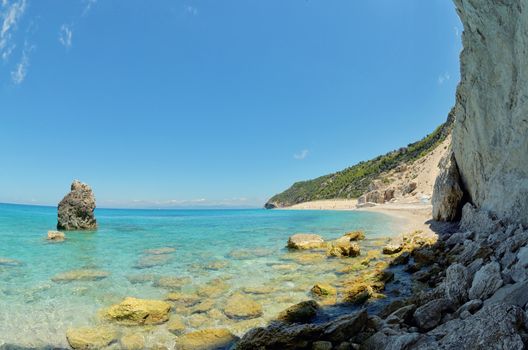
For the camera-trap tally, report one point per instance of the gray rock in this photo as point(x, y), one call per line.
point(511, 294)
point(471, 306)
point(429, 315)
point(486, 281)
point(457, 283)
point(489, 134)
point(447, 193)
point(76, 210)
point(322, 345)
point(459, 238)
point(404, 313)
point(496, 326)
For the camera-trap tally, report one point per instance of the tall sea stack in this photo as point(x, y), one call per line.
point(76, 210)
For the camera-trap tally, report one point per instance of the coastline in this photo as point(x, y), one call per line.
point(408, 215)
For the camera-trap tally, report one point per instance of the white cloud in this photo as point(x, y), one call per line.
point(65, 35)
point(443, 78)
point(301, 155)
point(88, 4)
point(191, 10)
point(19, 74)
point(9, 17)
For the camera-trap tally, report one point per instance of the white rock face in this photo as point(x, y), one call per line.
point(490, 136)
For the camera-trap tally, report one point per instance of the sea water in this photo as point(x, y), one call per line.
point(241, 247)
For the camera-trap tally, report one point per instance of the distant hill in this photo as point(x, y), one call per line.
point(354, 181)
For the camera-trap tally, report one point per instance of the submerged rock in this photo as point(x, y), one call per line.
point(149, 261)
point(132, 342)
point(9, 262)
point(87, 338)
point(56, 236)
point(80, 275)
point(323, 290)
point(133, 311)
point(76, 210)
point(176, 325)
point(160, 251)
point(240, 306)
point(303, 241)
point(206, 339)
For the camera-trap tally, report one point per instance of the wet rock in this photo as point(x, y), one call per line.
point(429, 315)
point(176, 325)
point(457, 283)
point(9, 262)
point(56, 236)
point(142, 278)
point(160, 251)
point(343, 247)
point(217, 265)
point(213, 289)
point(390, 249)
point(355, 235)
point(258, 289)
point(206, 339)
point(199, 321)
point(76, 210)
point(80, 275)
point(240, 306)
point(203, 306)
point(486, 281)
point(133, 311)
point(132, 342)
point(323, 290)
point(280, 336)
point(302, 312)
point(87, 338)
point(358, 293)
point(182, 298)
point(343, 327)
point(302, 241)
point(447, 193)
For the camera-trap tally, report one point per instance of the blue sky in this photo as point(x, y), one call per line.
point(213, 102)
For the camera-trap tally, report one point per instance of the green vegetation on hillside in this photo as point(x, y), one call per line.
point(354, 181)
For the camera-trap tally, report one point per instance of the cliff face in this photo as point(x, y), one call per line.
point(490, 136)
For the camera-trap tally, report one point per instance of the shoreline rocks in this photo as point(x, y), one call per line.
point(304, 241)
point(134, 311)
point(76, 209)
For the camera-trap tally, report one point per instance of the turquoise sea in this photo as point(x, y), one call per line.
point(244, 248)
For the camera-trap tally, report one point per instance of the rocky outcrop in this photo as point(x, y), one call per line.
point(490, 133)
point(76, 210)
point(303, 241)
point(447, 193)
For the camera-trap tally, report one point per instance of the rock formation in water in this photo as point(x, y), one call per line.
point(490, 136)
point(76, 210)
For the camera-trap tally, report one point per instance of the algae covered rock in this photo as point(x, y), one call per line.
point(323, 290)
point(133, 311)
point(76, 210)
point(391, 248)
point(355, 235)
point(302, 312)
point(176, 325)
point(302, 241)
point(132, 342)
point(242, 307)
point(343, 247)
point(88, 338)
point(56, 236)
point(206, 339)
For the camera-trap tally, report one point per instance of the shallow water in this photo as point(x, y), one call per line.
point(241, 247)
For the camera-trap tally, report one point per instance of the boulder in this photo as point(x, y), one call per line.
point(133, 311)
point(206, 339)
point(302, 312)
point(240, 306)
point(176, 325)
point(343, 247)
point(76, 210)
point(56, 236)
point(409, 188)
point(302, 241)
point(457, 283)
point(88, 338)
point(486, 281)
point(447, 193)
point(429, 315)
point(390, 249)
point(511, 294)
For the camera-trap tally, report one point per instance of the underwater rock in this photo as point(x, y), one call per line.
point(87, 338)
point(133, 311)
point(206, 339)
point(76, 210)
point(56, 236)
point(240, 306)
point(159, 251)
point(132, 342)
point(176, 325)
point(80, 275)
